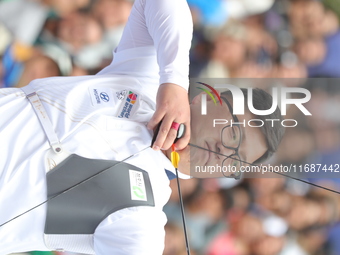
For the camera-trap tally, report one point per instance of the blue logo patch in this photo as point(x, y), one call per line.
point(105, 97)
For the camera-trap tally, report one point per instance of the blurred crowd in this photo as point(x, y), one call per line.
point(291, 39)
point(51, 37)
point(272, 215)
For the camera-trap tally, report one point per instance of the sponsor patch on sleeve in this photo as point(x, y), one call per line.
point(129, 105)
point(102, 97)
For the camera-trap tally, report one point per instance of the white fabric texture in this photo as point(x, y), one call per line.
point(89, 127)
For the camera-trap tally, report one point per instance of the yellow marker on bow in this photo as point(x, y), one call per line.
point(174, 157)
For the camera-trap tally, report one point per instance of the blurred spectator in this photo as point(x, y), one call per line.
point(65, 7)
point(23, 64)
point(306, 18)
point(37, 67)
point(317, 35)
point(321, 56)
point(229, 51)
point(81, 36)
point(112, 15)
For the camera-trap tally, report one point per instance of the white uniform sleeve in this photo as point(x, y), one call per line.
point(166, 25)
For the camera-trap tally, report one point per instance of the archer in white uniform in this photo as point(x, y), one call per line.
point(89, 118)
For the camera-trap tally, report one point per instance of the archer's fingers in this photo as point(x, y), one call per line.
point(165, 135)
point(170, 138)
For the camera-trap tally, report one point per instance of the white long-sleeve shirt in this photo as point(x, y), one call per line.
point(155, 44)
point(154, 49)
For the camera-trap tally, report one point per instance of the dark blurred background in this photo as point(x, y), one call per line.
point(232, 39)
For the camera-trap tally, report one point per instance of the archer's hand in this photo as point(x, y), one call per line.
point(172, 105)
